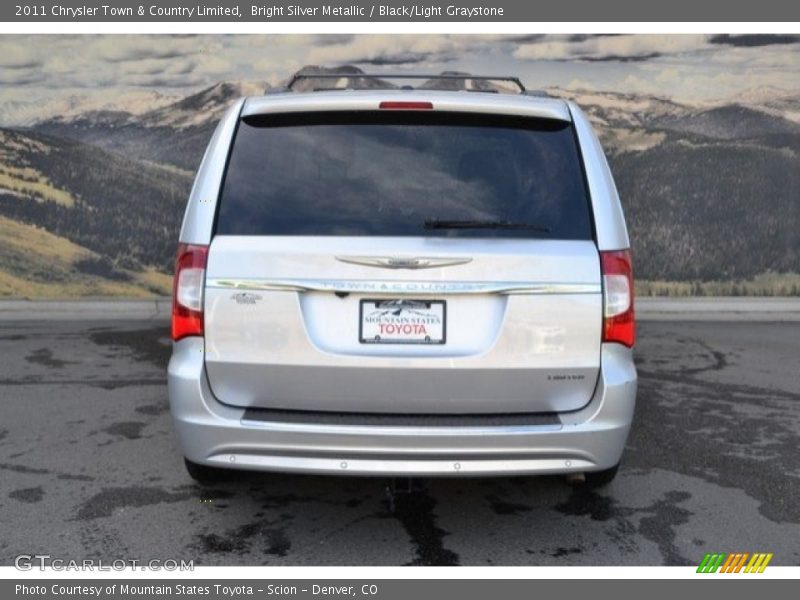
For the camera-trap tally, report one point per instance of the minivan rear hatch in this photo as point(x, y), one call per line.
point(403, 261)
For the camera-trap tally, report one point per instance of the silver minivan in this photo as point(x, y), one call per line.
point(404, 281)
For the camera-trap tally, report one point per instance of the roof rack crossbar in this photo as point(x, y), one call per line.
point(302, 76)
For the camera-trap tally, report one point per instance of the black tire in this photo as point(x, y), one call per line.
point(204, 474)
point(597, 479)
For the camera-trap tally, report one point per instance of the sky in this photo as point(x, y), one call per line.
point(689, 68)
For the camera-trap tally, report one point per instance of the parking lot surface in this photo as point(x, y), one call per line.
point(90, 468)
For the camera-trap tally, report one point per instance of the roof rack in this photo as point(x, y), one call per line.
point(375, 76)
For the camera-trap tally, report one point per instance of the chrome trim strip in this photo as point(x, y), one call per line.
point(415, 431)
point(404, 287)
point(399, 262)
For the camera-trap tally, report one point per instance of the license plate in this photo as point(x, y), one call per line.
point(402, 321)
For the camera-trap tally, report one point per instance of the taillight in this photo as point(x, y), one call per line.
point(187, 291)
point(618, 319)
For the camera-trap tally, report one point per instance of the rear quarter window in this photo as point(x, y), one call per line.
point(388, 173)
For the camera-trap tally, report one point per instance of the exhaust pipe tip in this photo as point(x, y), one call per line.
point(576, 478)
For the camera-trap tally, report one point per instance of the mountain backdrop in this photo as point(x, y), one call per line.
point(91, 197)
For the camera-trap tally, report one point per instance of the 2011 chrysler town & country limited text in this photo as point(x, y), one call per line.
point(403, 282)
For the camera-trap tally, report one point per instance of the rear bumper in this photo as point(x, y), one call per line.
point(215, 434)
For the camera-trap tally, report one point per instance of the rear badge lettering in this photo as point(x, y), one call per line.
point(565, 377)
point(245, 298)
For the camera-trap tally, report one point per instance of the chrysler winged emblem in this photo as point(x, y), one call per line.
point(401, 262)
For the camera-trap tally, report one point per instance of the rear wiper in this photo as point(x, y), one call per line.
point(444, 224)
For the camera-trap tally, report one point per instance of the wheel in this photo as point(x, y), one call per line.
point(596, 479)
point(204, 474)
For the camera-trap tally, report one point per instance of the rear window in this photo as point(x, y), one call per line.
point(404, 174)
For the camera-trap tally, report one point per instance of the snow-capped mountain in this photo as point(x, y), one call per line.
point(175, 133)
point(201, 107)
point(613, 109)
point(133, 102)
point(144, 107)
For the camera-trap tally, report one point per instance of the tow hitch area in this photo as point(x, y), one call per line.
point(398, 487)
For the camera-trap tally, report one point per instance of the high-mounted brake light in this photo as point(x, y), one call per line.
point(406, 105)
point(187, 291)
point(618, 316)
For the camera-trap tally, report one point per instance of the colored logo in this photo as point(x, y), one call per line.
point(743, 562)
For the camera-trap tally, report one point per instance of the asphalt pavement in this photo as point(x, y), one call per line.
point(90, 468)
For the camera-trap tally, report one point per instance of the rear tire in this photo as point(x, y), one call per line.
point(597, 479)
point(204, 474)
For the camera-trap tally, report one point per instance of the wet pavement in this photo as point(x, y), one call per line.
point(90, 468)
